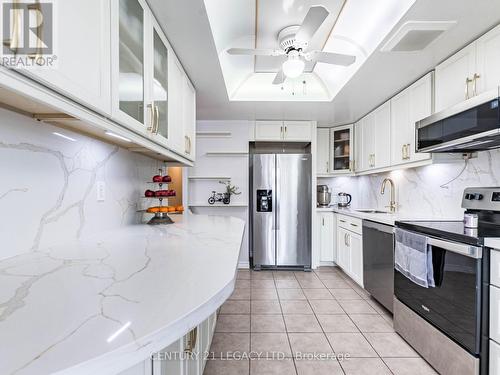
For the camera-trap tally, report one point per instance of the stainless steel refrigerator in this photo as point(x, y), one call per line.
point(281, 211)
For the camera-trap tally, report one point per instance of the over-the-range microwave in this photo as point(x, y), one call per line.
point(473, 125)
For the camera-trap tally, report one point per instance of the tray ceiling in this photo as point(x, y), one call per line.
point(354, 27)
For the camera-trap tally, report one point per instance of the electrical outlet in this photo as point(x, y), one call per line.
point(101, 191)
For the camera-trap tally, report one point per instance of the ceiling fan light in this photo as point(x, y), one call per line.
point(293, 67)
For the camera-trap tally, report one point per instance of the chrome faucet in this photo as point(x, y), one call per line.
point(392, 203)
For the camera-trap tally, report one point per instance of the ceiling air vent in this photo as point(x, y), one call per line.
point(414, 36)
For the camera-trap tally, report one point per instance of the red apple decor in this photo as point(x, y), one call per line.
point(165, 193)
point(157, 178)
point(167, 179)
point(149, 193)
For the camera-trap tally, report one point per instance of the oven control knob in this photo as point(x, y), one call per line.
point(470, 197)
point(478, 196)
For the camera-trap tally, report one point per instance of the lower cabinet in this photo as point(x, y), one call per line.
point(350, 247)
point(186, 356)
point(326, 236)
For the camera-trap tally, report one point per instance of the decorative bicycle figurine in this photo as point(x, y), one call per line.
point(219, 197)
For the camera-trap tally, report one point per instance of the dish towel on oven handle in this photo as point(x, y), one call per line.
point(413, 257)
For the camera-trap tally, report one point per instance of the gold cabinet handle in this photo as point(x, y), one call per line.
point(351, 166)
point(191, 341)
point(157, 119)
point(403, 154)
point(39, 30)
point(408, 151)
point(474, 86)
point(151, 109)
point(467, 82)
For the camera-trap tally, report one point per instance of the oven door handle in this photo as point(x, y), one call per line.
point(455, 247)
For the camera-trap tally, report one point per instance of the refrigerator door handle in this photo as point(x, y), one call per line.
point(276, 196)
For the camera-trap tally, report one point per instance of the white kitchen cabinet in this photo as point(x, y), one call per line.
point(382, 123)
point(471, 71)
point(495, 268)
point(151, 93)
point(268, 130)
point(297, 131)
point(494, 358)
point(343, 256)
point(83, 65)
point(143, 368)
point(323, 151)
point(454, 78)
point(131, 101)
point(488, 61)
point(408, 107)
point(366, 133)
point(288, 131)
point(342, 150)
point(189, 119)
point(355, 244)
point(495, 313)
point(350, 247)
point(327, 236)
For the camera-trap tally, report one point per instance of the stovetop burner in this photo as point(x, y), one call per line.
point(453, 230)
point(485, 202)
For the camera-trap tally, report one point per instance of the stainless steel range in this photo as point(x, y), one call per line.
point(456, 302)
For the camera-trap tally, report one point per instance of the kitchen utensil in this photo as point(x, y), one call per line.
point(344, 199)
point(324, 196)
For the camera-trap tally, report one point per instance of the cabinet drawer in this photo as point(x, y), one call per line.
point(495, 313)
point(350, 223)
point(495, 268)
point(494, 358)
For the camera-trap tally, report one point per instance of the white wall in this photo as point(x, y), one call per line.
point(419, 190)
point(48, 185)
point(232, 166)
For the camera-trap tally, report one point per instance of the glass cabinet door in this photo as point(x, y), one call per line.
point(131, 59)
point(341, 149)
point(160, 85)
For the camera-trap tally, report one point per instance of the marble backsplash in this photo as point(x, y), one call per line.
point(48, 185)
point(422, 191)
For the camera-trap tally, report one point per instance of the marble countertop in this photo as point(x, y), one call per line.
point(494, 243)
point(102, 304)
point(384, 218)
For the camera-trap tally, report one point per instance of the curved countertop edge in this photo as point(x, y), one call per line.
point(385, 218)
point(140, 349)
point(127, 356)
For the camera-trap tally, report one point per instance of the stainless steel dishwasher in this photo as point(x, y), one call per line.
point(378, 262)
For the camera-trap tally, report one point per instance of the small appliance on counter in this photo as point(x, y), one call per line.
point(344, 200)
point(444, 310)
point(324, 196)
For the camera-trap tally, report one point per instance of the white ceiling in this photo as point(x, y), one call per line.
point(380, 77)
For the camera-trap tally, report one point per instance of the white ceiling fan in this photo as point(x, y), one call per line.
point(293, 42)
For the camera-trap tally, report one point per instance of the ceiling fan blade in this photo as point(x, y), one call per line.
point(312, 22)
point(280, 78)
point(333, 58)
point(254, 52)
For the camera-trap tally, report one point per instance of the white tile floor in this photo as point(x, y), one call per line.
point(282, 316)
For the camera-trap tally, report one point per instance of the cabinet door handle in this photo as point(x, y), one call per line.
point(157, 119)
point(152, 112)
point(474, 86)
point(286, 129)
point(408, 151)
point(342, 221)
point(467, 81)
point(281, 132)
point(323, 223)
point(354, 225)
point(327, 167)
point(345, 239)
point(39, 32)
point(191, 341)
point(348, 240)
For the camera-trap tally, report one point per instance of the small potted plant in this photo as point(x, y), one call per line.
point(230, 190)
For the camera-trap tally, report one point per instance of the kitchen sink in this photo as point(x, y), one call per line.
point(372, 211)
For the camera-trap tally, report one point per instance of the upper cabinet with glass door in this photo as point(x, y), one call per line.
point(129, 29)
point(341, 149)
